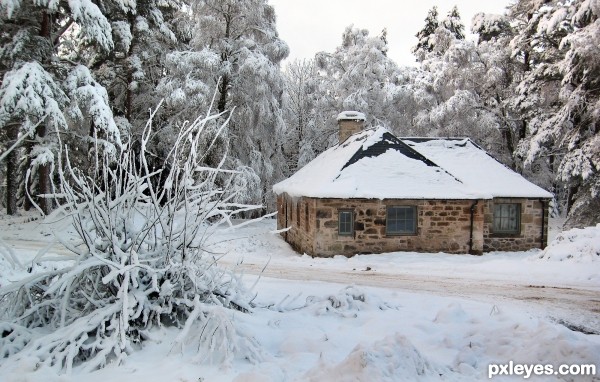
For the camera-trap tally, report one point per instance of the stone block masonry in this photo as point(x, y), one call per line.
point(442, 225)
point(533, 231)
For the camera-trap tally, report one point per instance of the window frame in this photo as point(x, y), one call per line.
point(511, 232)
point(401, 233)
point(306, 216)
point(346, 211)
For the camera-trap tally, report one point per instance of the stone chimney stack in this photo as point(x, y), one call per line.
point(350, 122)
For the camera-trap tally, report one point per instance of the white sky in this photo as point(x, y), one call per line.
point(311, 26)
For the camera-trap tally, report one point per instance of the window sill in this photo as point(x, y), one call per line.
point(507, 235)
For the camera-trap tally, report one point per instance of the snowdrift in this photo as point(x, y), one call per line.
point(577, 245)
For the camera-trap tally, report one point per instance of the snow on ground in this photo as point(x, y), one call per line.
point(389, 317)
point(576, 245)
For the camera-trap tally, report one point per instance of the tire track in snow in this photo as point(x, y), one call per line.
point(576, 305)
point(572, 304)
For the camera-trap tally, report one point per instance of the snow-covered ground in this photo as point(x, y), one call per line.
point(390, 317)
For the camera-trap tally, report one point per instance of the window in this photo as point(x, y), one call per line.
point(507, 218)
point(345, 222)
point(401, 220)
point(306, 216)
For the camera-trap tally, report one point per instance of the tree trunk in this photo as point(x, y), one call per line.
point(12, 164)
point(129, 73)
point(26, 181)
point(44, 185)
point(571, 198)
point(224, 85)
point(508, 138)
point(222, 105)
point(44, 169)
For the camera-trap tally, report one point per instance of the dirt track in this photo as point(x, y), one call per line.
point(576, 307)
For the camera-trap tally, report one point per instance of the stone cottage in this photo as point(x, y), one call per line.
point(374, 192)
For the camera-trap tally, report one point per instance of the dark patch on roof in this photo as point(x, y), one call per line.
point(467, 140)
point(427, 139)
point(388, 142)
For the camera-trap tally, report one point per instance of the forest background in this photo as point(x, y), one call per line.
point(85, 75)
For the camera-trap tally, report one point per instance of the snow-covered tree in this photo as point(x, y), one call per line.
point(436, 37)
point(241, 50)
point(562, 81)
point(140, 262)
point(357, 76)
point(301, 85)
point(425, 37)
point(490, 26)
point(454, 24)
point(33, 101)
point(30, 102)
point(143, 34)
point(454, 90)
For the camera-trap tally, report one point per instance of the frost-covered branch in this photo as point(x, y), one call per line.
point(140, 260)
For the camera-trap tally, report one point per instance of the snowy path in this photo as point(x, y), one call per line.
point(578, 306)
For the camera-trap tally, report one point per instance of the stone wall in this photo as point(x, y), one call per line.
point(442, 225)
point(297, 214)
point(534, 217)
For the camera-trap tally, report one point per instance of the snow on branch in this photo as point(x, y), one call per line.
point(141, 262)
point(29, 93)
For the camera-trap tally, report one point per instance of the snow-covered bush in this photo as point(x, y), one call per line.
point(140, 261)
point(576, 244)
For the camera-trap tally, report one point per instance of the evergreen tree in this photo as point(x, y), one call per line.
point(32, 99)
point(564, 72)
point(490, 26)
point(454, 24)
point(535, 99)
point(425, 36)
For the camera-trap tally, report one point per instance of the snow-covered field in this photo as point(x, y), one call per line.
point(389, 317)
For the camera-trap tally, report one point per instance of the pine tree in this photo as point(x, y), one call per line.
point(33, 102)
point(425, 36)
point(573, 130)
point(454, 24)
point(490, 26)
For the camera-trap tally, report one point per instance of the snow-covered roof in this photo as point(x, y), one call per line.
point(475, 167)
point(353, 115)
point(374, 164)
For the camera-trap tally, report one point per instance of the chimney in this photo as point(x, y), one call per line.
point(350, 122)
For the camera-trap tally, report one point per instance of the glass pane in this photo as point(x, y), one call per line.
point(400, 220)
point(506, 218)
point(345, 222)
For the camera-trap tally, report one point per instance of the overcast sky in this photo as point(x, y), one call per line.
point(311, 26)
